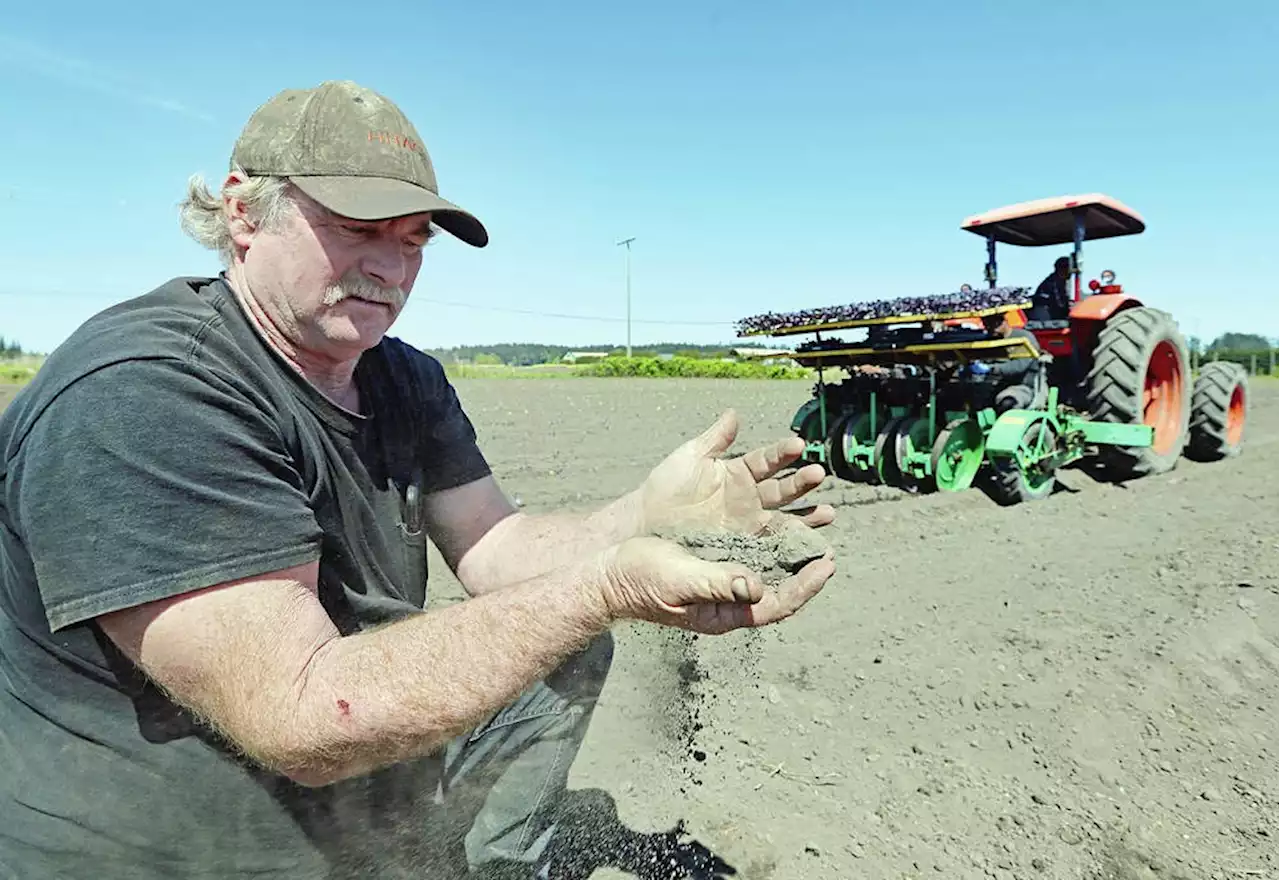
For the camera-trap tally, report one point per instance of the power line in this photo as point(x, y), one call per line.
point(88, 294)
point(606, 318)
point(70, 294)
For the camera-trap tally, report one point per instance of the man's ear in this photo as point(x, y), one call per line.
point(239, 223)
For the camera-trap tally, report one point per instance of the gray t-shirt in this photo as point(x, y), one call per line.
point(164, 448)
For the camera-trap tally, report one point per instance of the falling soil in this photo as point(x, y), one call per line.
point(685, 710)
point(785, 548)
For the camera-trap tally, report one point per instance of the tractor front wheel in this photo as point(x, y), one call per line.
point(1140, 376)
point(1219, 405)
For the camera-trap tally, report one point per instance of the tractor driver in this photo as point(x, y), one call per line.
point(1050, 301)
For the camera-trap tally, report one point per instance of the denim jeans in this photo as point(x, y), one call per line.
point(500, 782)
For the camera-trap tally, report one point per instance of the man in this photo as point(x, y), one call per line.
point(1015, 377)
point(214, 507)
point(1051, 302)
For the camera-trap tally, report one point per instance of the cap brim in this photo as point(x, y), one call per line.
point(381, 198)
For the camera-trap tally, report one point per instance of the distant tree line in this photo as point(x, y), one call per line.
point(1250, 350)
point(521, 354)
point(10, 349)
point(1247, 349)
point(1232, 342)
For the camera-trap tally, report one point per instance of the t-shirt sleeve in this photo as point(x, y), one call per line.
point(148, 479)
point(452, 455)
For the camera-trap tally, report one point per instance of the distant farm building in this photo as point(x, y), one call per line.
point(573, 357)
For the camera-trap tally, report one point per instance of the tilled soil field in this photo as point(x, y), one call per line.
point(1084, 687)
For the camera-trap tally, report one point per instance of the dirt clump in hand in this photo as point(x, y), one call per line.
point(784, 548)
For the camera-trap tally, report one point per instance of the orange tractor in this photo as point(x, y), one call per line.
point(941, 390)
point(1115, 358)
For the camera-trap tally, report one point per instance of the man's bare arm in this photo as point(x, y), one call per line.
point(261, 662)
point(489, 543)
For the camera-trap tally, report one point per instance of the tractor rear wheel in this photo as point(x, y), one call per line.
point(1140, 376)
point(1219, 405)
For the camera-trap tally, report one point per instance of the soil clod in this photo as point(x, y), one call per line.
point(775, 555)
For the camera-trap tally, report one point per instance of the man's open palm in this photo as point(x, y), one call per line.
point(696, 487)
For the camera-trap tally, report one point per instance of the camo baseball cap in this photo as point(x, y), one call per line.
point(353, 151)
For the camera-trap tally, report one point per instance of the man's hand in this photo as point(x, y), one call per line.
point(695, 487)
point(658, 581)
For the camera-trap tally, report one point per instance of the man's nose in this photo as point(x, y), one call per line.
point(386, 264)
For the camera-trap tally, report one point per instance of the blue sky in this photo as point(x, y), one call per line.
point(765, 158)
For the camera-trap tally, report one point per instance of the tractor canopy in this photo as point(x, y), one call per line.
point(1052, 221)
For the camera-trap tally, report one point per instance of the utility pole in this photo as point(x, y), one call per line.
point(626, 242)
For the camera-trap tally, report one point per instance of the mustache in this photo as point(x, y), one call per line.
point(353, 284)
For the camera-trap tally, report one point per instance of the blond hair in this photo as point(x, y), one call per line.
point(204, 219)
